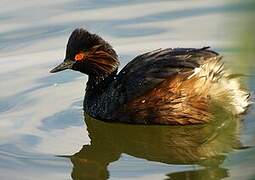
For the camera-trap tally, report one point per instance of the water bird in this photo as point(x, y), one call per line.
point(173, 86)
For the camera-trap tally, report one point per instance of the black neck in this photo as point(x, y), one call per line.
point(97, 84)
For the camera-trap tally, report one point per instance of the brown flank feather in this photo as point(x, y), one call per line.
point(172, 102)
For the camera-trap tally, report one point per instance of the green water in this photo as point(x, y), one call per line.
point(43, 131)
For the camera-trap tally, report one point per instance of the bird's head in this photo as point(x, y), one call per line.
point(89, 54)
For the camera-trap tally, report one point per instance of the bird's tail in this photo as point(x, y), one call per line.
point(222, 86)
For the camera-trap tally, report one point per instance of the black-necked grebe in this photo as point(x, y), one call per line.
point(164, 86)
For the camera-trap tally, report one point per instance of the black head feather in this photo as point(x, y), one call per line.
point(101, 60)
point(82, 40)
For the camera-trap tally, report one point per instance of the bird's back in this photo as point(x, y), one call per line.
point(176, 86)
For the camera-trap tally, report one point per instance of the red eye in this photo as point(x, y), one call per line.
point(79, 56)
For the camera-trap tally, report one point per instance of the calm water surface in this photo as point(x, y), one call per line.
point(43, 131)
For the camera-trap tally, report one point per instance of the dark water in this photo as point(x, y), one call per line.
point(43, 132)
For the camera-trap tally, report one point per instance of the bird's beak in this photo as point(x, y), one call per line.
point(67, 64)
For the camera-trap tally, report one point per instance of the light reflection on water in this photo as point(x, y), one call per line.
point(41, 114)
point(194, 152)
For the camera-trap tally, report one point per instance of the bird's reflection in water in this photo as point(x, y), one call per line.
point(204, 145)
